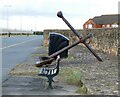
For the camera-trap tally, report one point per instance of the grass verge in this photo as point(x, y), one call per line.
point(24, 70)
point(72, 76)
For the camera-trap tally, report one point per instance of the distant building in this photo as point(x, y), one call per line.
point(103, 21)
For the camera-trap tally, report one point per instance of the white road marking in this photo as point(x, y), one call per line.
point(16, 44)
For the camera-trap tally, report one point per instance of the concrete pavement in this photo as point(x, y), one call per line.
point(17, 85)
point(15, 50)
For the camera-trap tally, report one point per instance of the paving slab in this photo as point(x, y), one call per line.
point(17, 85)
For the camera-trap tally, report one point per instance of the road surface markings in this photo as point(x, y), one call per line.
point(16, 44)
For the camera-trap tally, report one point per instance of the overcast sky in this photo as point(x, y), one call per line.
point(41, 14)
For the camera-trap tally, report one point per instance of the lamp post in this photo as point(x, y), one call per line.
point(35, 26)
point(7, 6)
point(21, 21)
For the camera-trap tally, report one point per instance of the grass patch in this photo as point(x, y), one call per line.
point(72, 76)
point(70, 57)
point(39, 55)
point(42, 47)
point(24, 70)
point(82, 89)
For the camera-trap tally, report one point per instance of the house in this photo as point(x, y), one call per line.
point(103, 21)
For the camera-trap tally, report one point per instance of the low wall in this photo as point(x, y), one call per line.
point(105, 40)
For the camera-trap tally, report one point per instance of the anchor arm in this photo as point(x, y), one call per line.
point(60, 15)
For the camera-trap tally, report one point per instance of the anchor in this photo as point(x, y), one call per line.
point(50, 58)
point(58, 48)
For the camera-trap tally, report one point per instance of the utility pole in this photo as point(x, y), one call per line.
point(8, 6)
point(21, 23)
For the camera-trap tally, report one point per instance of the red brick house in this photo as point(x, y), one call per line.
point(103, 21)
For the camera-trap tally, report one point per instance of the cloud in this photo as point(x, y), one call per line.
point(50, 7)
point(44, 7)
point(44, 11)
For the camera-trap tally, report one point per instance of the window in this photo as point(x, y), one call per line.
point(90, 26)
point(86, 26)
point(114, 25)
point(103, 26)
point(108, 25)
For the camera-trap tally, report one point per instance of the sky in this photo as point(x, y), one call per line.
point(38, 15)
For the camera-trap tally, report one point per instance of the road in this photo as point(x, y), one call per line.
point(15, 50)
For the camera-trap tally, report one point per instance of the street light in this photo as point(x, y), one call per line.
point(21, 21)
point(7, 6)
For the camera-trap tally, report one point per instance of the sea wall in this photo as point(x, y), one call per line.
point(105, 40)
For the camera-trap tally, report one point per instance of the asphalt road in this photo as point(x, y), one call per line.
point(15, 50)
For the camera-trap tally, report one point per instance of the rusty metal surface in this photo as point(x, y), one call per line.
point(81, 40)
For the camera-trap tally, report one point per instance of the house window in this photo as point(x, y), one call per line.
point(86, 26)
point(103, 26)
point(90, 26)
point(108, 25)
point(114, 25)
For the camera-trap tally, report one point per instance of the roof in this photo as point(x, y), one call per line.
point(106, 19)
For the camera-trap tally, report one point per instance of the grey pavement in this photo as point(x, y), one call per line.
point(16, 49)
point(17, 85)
